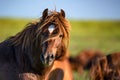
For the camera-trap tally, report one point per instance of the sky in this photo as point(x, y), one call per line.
point(75, 9)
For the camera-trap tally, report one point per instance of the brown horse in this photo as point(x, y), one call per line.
point(106, 68)
point(32, 53)
point(83, 60)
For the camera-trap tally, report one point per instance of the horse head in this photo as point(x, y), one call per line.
point(46, 39)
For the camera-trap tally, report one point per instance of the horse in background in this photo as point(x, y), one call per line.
point(33, 53)
point(83, 61)
point(106, 68)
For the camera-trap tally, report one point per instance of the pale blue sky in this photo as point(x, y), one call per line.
point(76, 9)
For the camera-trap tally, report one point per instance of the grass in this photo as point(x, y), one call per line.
point(102, 35)
point(9, 27)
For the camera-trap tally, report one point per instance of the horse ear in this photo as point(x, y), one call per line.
point(45, 13)
point(62, 12)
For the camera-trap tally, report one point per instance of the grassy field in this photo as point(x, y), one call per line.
point(102, 35)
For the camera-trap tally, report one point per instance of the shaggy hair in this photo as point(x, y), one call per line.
point(30, 36)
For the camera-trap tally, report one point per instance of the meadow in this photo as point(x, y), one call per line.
point(89, 34)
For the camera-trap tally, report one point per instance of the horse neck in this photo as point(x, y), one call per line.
point(45, 73)
point(22, 60)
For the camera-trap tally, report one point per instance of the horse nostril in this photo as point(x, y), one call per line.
point(42, 57)
point(47, 59)
point(51, 56)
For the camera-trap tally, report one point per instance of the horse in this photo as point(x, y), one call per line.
point(33, 53)
point(83, 60)
point(106, 68)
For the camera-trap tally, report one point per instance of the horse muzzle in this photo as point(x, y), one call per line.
point(47, 59)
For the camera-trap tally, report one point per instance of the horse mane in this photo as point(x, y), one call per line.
point(102, 70)
point(29, 37)
point(99, 69)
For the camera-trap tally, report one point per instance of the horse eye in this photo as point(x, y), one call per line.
point(55, 31)
point(61, 36)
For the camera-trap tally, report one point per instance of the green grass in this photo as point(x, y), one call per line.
point(102, 35)
point(9, 27)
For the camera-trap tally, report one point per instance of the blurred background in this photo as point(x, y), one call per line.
point(95, 23)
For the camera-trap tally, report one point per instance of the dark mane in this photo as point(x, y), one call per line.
point(30, 36)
